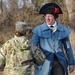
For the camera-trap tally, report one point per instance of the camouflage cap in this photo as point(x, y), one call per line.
point(21, 26)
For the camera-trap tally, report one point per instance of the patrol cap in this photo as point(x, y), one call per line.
point(50, 8)
point(21, 26)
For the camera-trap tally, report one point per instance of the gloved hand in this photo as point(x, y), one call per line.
point(37, 54)
point(71, 68)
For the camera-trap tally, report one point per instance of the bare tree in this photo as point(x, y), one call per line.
point(1, 8)
point(70, 4)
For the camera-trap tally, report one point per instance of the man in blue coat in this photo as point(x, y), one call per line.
point(53, 39)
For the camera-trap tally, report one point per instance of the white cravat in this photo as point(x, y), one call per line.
point(53, 27)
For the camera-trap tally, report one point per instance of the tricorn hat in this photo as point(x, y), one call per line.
point(50, 8)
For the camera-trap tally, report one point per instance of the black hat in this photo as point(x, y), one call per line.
point(50, 8)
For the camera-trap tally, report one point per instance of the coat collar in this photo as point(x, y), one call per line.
point(45, 27)
point(60, 27)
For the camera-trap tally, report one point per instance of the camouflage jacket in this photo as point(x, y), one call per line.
point(16, 55)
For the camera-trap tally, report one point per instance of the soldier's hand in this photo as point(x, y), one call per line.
point(71, 68)
point(37, 54)
point(33, 47)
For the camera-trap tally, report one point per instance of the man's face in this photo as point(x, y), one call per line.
point(49, 18)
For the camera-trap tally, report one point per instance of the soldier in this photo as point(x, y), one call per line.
point(18, 54)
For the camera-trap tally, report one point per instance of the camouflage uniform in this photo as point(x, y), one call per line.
point(16, 53)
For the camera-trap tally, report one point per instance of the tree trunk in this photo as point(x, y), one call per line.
point(70, 4)
point(1, 8)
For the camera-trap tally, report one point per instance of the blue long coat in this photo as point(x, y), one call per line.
point(52, 43)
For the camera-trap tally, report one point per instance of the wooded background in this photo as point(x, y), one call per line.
point(29, 13)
